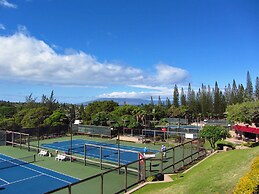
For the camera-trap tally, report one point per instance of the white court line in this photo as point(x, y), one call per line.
point(4, 181)
point(22, 180)
point(36, 170)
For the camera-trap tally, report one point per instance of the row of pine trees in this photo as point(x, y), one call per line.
point(209, 102)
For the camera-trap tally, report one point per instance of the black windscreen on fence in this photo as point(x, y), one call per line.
point(2, 138)
point(95, 130)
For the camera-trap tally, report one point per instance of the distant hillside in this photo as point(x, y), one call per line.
point(121, 101)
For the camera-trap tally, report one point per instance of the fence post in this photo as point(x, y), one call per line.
point(119, 158)
point(162, 161)
point(102, 183)
point(150, 167)
point(126, 180)
point(69, 189)
point(20, 141)
point(145, 170)
point(85, 154)
point(173, 159)
point(38, 139)
point(101, 156)
point(13, 139)
point(183, 154)
point(191, 151)
point(28, 142)
point(5, 138)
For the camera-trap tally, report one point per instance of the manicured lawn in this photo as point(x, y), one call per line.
point(218, 174)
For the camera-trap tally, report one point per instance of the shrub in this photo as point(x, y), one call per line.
point(251, 144)
point(249, 183)
point(221, 144)
point(151, 178)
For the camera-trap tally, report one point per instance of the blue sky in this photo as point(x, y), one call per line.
point(87, 49)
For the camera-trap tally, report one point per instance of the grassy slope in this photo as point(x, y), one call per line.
point(217, 174)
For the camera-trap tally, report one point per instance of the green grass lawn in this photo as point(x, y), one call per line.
point(218, 174)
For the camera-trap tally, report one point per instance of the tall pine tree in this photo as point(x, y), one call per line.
point(234, 93)
point(240, 94)
point(159, 102)
point(249, 87)
point(176, 97)
point(168, 103)
point(191, 100)
point(151, 102)
point(257, 88)
point(217, 100)
point(183, 98)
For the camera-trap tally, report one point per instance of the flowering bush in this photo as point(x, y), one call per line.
point(249, 183)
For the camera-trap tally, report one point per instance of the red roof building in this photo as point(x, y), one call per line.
point(246, 128)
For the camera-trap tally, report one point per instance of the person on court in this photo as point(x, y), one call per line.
point(163, 150)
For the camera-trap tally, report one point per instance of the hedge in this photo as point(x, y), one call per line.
point(249, 183)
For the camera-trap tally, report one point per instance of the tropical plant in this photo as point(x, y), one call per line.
point(213, 134)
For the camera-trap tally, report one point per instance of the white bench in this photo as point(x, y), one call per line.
point(61, 157)
point(149, 155)
point(43, 153)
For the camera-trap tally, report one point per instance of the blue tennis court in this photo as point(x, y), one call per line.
point(18, 176)
point(109, 150)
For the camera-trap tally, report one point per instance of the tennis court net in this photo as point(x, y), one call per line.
point(79, 148)
point(9, 163)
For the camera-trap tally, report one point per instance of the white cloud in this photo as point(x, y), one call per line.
point(25, 58)
point(169, 74)
point(120, 95)
point(148, 91)
point(2, 27)
point(5, 3)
